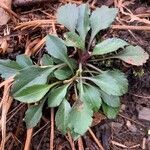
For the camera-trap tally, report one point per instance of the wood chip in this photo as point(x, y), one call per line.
point(144, 114)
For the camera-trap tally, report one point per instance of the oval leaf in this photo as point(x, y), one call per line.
point(67, 15)
point(112, 82)
point(57, 49)
point(46, 60)
point(110, 100)
point(24, 61)
point(33, 115)
point(62, 116)
point(79, 119)
point(92, 97)
point(101, 19)
point(74, 40)
point(63, 73)
point(30, 76)
point(32, 94)
point(109, 45)
point(110, 112)
point(9, 68)
point(83, 25)
point(134, 55)
point(57, 95)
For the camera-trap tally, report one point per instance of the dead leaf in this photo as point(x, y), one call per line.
point(4, 46)
point(4, 16)
point(97, 118)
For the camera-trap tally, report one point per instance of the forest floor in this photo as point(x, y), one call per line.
point(25, 32)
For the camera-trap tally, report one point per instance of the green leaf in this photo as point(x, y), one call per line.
point(46, 60)
point(110, 100)
point(32, 94)
point(112, 82)
point(110, 112)
point(79, 119)
point(24, 61)
point(9, 68)
point(101, 19)
point(92, 97)
point(30, 76)
point(33, 115)
point(63, 73)
point(134, 55)
point(57, 95)
point(109, 45)
point(57, 49)
point(62, 116)
point(83, 25)
point(74, 40)
point(68, 16)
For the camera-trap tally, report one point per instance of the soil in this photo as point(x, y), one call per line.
point(126, 130)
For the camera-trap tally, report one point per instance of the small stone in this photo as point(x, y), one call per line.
point(131, 127)
point(116, 126)
point(123, 108)
point(144, 114)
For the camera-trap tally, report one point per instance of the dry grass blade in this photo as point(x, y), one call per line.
point(34, 23)
point(80, 144)
point(6, 82)
point(126, 27)
point(30, 45)
point(95, 139)
point(5, 103)
point(71, 141)
point(118, 144)
point(52, 130)
point(35, 46)
point(122, 6)
point(28, 139)
point(15, 112)
point(132, 120)
point(39, 46)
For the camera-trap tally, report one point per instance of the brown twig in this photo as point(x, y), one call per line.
point(95, 139)
point(28, 139)
point(52, 130)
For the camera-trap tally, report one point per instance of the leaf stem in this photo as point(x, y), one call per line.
point(73, 78)
point(55, 83)
point(80, 79)
point(95, 68)
point(54, 66)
